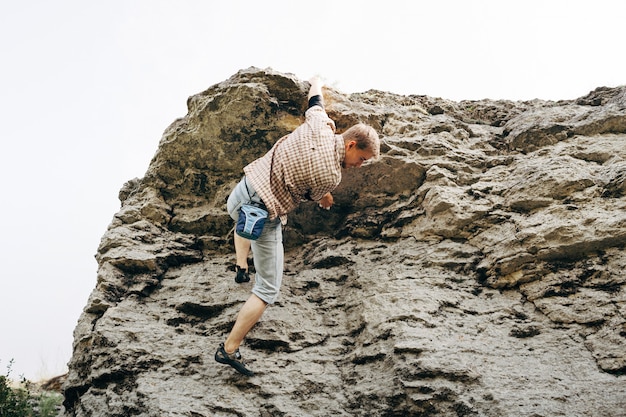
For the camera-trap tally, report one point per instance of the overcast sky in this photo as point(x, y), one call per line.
point(87, 87)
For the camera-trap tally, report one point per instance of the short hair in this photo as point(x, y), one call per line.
point(365, 137)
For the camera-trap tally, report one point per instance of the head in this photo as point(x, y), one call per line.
point(362, 144)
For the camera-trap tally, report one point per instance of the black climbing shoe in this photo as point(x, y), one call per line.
point(232, 359)
point(242, 275)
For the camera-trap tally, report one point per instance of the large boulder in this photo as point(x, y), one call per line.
point(477, 269)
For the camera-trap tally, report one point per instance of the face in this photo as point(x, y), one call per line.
point(355, 156)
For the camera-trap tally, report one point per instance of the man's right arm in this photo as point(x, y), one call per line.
point(315, 92)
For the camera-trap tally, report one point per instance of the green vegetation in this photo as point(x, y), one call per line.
point(48, 404)
point(21, 401)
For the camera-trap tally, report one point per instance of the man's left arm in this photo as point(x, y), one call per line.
point(316, 89)
point(315, 93)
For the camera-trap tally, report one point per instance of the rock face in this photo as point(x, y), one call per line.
point(477, 269)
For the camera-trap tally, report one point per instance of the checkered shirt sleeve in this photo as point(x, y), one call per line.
point(306, 164)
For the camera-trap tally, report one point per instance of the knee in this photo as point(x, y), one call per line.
point(267, 295)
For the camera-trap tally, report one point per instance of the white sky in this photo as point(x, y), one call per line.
point(88, 87)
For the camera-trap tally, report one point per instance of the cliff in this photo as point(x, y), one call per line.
point(477, 269)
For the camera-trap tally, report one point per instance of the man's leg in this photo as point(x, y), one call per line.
point(248, 316)
point(268, 262)
point(237, 197)
point(242, 250)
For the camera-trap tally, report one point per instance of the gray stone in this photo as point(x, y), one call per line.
point(477, 269)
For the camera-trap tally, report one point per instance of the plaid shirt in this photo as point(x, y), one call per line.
point(304, 165)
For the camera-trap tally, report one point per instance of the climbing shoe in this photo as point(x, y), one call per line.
point(232, 359)
point(242, 275)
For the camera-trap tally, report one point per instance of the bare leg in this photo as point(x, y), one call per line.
point(242, 249)
point(248, 316)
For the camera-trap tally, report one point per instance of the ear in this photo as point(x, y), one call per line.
point(351, 144)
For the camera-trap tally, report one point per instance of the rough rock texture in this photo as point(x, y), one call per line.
point(477, 269)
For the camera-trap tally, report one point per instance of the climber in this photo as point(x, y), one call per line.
point(304, 165)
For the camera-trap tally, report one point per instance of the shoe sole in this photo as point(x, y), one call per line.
point(237, 366)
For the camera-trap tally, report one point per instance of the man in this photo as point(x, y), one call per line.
point(304, 165)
